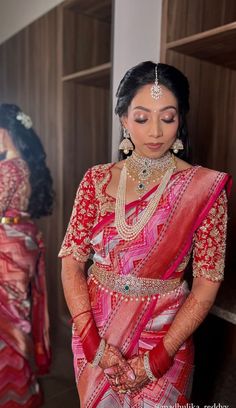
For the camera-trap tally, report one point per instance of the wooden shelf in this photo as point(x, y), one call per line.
point(100, 10)
point(224, 314)
point(217, 45)
point(98, 76)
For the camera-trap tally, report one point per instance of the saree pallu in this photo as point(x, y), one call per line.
point(127, 312)
point(24, 342)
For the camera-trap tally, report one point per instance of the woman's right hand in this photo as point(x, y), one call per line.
point(115, 365)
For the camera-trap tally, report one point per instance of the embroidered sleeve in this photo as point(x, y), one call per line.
point(210, 242)
point(8, 185)
point(77, 238)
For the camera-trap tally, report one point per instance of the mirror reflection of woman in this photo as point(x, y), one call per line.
point(25, 194)
point(143, 217)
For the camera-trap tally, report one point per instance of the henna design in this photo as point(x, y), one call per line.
point(115, 365)
point(132, 385)
point(187, 320)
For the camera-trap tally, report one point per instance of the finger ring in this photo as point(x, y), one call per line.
point(122, 392)
point(117, 381)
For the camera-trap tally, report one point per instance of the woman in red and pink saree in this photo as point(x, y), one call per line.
point(143, 219)
point(24, 341)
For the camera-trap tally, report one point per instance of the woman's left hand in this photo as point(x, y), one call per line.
point(122, 383)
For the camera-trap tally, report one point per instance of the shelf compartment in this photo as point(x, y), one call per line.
point(98, 76)
point(217, 46)
point(100, 10)
point(86, 37)
point(86, 126)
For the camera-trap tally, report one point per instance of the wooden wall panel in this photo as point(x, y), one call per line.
point(187, 17)
point(29, 78)
point(211, 121)
point(212, 125)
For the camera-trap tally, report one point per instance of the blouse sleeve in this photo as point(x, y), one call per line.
point(77, 238)
point(210, 242)
point(8, 185)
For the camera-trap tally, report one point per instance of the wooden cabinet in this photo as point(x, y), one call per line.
point(199, 37)
point(85, 44)
point(85, 94)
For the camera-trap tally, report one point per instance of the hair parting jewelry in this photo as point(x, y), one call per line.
point(156, 91)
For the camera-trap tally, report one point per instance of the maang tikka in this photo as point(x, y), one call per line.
point(156, 91)
point(126, 144)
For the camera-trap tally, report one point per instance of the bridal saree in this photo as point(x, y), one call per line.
point(137, 287)
point(24, 342)
point(23, 316)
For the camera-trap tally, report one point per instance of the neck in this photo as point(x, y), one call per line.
point(149, 159)
point(11, 154)
point(146, 171)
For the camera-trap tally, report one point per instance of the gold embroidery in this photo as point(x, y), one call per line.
point(210, 242)
point(106, 203)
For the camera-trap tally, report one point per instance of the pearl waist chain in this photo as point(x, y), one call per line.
point(130, 285)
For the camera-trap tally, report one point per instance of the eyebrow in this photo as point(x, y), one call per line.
point(161, 110)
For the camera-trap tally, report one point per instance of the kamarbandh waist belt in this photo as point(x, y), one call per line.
point(13, 220)
point(130, 285)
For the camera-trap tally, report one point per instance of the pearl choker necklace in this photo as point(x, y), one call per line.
point(144, 170)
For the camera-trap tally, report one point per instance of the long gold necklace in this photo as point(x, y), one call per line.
point(144, 170)
point(129, 232)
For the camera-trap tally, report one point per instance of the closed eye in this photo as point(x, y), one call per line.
point(171, 120)
point(141, 121)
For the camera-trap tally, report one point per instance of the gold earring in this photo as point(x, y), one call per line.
point(126, 144)
point(2, 147)
point(177, 145)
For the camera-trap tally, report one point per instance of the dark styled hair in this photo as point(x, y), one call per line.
point(169, 76)
point(32, 152)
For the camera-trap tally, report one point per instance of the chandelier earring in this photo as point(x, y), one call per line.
point(177, 145)
point(126, 144)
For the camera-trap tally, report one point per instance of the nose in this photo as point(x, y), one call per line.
point(156, 128)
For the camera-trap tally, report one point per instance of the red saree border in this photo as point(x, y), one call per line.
point(175, 240)
point(213, 195)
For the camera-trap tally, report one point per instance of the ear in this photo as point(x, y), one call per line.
point(124, 120)
point(2, 133)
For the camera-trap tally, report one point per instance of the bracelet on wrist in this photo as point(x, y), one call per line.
point(159, 359)
point(147, 367)
point(99, 353)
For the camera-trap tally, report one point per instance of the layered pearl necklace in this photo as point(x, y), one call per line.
point(167, 166)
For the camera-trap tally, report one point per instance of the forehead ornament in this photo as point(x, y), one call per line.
point(156, 91)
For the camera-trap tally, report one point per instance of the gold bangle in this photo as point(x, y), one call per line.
point(147, 367)
point(99, 353)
